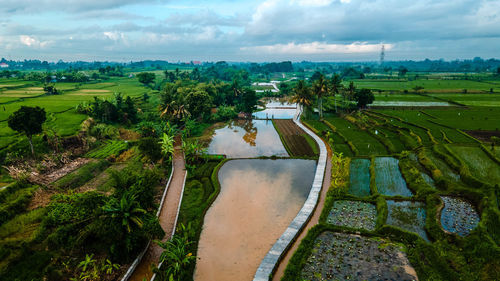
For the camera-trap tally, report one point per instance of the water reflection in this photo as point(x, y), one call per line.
point(247, 138)
point(276, 113)
point(258, 200)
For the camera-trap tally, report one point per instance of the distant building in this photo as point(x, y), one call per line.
point(3, 65)
point(196, 62)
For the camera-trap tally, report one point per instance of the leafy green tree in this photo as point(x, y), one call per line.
point(320, 89)
point(198, 103)
point(146, 78)
point(350, 91)
point(364, 97)
point(50, 89)
point(402, 71)
point(248, 101)
point(28, 120)
point(302, 94)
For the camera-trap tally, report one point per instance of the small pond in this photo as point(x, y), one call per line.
point(388, 178)
point(247, 138)
point(360, 177)
point(354, 214)
point(458, 216)
point(407, 215)
point(259, 198)
point(338, 256)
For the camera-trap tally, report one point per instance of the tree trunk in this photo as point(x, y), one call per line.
point(320, 105)
point(335, 103)
point(31, 145)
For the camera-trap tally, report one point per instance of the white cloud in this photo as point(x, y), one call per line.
point(113, 35)
point(314, 3)
point(32, 41)
point(316, 48)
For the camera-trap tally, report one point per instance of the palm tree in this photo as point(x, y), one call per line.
point(302, 95)
point(127, 210)
point(320, 89)
point(351, 90)
point(336, 85)
point(174, 110)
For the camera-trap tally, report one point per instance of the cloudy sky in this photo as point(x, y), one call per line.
point(268, 30)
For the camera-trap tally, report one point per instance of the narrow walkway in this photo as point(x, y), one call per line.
point(167, 216)
point(314, 219)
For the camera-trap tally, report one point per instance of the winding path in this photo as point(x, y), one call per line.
point(168, 213)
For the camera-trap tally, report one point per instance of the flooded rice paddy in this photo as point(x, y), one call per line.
point(388, 177)
point(258, 200)
point(407, 215)
point(276, 113)
point(458, 216)
point(246, 139)
point(360, 177)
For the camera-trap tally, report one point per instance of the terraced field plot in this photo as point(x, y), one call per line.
point(339, 145)
point(473, 118)
point(479, 164)
point(295, 139)
point(359, 177)
point(410, 103)
point(420, 119)
point(62, 116)
point(458, 216)
point(428, 180)
point(337, 256)
point(113, 147)
point(388, 177)
point(362, 140)
point(407, 215)
point(447, 172)
point(472, 99)
point(353, 214)
point(430, 86)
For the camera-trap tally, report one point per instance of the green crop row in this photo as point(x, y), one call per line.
point(111, 148)
point(82, 175)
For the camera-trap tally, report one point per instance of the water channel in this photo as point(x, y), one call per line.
point(258, 200)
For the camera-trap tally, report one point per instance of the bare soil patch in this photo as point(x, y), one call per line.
point(294, 138)
point(483, 135)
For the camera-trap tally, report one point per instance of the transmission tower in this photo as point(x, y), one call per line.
point(382, 55)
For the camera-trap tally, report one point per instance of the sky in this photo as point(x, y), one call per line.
point(257, 31)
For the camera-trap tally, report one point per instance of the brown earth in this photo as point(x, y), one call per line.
point(482, 135)
point(294, 138)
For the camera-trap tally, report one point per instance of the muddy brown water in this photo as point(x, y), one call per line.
point(258, 200)
point(246, 139)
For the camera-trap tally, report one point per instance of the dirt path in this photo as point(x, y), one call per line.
point(312, 222)
point(167, 217)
